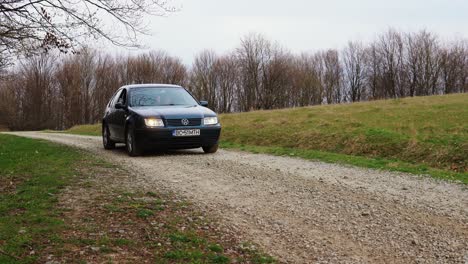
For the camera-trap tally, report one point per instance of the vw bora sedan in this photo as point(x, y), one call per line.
point(159, 116)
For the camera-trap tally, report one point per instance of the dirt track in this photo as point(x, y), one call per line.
point(309, 212)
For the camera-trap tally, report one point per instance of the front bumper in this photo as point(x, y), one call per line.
point(162, 137)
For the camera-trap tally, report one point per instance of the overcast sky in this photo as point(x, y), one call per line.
point(299, 25)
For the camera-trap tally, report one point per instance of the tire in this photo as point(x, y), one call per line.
point(210, 149)
point(133, 148)
point(106, 141)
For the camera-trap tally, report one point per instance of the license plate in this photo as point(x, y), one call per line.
point(186, 133)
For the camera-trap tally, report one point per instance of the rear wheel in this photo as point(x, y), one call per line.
point(106, 141)
point(210, 149)
point(133, 148)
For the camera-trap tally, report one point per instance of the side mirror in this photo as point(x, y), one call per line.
point(204, 103)
point(119, 105)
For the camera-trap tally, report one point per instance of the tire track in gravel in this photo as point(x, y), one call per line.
point(309, 212)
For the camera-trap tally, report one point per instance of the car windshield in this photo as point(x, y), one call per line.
point(160, 97)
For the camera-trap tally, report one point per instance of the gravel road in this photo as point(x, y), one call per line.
point(308, 212)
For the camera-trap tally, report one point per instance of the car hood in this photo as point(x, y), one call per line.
point(173, 112)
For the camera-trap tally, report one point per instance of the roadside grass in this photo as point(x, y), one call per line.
point(32, 173)
point(419, 135)
point(176, 232)
point(84, 130)
point(87, 130)
point(61, 204)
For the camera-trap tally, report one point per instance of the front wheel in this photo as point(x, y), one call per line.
point(133, 148)
point(106, 141)
point(210, 149)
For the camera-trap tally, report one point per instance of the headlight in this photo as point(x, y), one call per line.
point(154, 122)
point(210, 120)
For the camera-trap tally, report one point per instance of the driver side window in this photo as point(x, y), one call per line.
point(123, 97)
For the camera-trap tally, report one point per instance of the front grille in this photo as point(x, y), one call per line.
point(178, 122)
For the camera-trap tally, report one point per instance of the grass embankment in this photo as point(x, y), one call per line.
point(86, 130)
point(420, 135)
point(92, 221)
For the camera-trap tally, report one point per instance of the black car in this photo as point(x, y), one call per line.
point(149, 116)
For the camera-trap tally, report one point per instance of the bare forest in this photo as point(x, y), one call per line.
point(56, 91)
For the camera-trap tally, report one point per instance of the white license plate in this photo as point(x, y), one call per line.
point(186, 133)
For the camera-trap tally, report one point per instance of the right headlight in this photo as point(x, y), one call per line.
point(210, 120)
point(154, 122)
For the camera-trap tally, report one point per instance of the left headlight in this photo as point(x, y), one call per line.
point(210, 120)
point(154, 122)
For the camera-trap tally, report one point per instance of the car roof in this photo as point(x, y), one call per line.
point(152, 85)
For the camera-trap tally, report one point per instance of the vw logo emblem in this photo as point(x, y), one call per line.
point(185, 121)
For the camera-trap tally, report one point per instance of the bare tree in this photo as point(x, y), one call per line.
point(354, 57)
point(68, 81)
point(390, 48)
point(251, 55)
point(276, 80)
point(154, 67)
point(87, 65)
point(373, 73)
point(228, 83)
point(44, 92)
point(454, 67)
point(307, 84)
point(332, 75)
point(265, 71)
point(422, 63)
point(203, 79)
point(27, 25)
point(33, 93)
point(107, 79)
point(8, 105)
point(173, 71)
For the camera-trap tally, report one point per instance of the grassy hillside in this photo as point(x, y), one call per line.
point(423, 130)
point(93, 130)
point(422, 135)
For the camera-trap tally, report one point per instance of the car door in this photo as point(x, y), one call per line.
point(111, 116)
point(120, 115)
